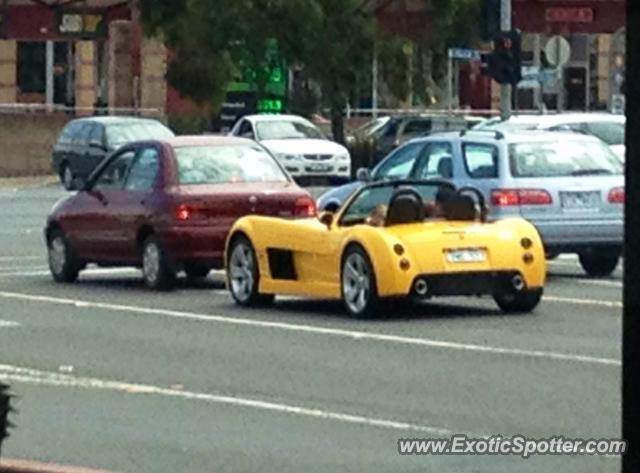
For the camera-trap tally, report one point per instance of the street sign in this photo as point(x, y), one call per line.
point(464, 54)
point(558, 50)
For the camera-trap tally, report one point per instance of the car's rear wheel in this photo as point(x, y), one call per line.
point(243, 274)
point(512, 301)
point(157, 270)
point(66, 176)
point(358, 284)
point(599, 262)
point(63, 263)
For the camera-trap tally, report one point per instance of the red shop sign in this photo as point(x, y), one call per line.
point(569, 15)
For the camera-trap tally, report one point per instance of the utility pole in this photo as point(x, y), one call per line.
point(505, 89)
point(374, 84)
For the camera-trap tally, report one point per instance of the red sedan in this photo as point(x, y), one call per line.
point(167, 206)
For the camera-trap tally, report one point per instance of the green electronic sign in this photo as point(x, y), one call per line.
point(273, 74)
point(270, 106)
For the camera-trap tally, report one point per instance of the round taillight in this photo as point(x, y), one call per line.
point(404, 264)
point(398, 249)
point(527, 258)
point(526, 243)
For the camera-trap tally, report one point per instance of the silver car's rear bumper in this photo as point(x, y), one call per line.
point(569, 234)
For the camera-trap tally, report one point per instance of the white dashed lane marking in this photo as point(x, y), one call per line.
point(355, 335)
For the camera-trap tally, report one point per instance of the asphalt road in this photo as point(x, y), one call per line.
point(110, 375)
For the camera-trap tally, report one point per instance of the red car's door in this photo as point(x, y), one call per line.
point(99, 224)
point(134, 206)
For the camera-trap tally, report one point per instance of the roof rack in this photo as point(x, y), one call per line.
point(498, 135)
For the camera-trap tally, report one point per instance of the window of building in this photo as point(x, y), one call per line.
point(31, 71)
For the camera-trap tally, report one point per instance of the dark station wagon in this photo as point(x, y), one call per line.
point(85, 142)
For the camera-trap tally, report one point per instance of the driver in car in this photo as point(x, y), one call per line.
point(377, 217)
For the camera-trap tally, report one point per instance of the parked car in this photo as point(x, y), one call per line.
point(570, 186)
point(608, 127)
point(85, 142)
point(385, 243)
point(384, 134)
point(167, 205)
point(299, 145)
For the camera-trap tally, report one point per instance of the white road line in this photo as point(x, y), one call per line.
point(9, 324)
point(577, 301)
point(15, 374)
point(319, 330)
point(22, 258)
point(87, 272)
point(600, 282)
point(14, 269)
point(24, 273)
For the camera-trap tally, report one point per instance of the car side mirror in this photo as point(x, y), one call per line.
point(326, 218)
point(363, 175)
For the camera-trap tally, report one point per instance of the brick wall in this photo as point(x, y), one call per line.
point(26, 142)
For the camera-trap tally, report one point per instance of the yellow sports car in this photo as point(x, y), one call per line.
point(417, 239)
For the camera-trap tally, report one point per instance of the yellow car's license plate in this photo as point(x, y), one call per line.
point(469, 255)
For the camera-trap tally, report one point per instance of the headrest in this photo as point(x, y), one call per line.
point(445, 167)
point(406, 206)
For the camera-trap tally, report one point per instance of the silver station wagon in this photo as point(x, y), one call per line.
point(570, 186)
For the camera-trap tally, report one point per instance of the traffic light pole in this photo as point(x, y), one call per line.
point(505, 89)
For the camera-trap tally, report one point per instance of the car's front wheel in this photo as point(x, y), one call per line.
point(63, 263)
point(157, 270)
point(358, 284)
point(243, 274)
point(600, 262)
point(512, 301)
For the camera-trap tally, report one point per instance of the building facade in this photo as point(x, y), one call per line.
point(80, 56)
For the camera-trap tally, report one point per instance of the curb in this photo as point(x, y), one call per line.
point(25, 466)
point(17, 183)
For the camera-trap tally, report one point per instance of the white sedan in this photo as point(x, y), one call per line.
point(608, 127)
point(298, 144)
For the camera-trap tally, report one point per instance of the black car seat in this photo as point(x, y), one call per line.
point(406, 206)
point(461, 207)
point(445, 167)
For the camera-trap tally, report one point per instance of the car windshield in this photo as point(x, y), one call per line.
point(127, 132)
point(287, 130)
point(375, 199)
point(230, 163)
point(562, 158)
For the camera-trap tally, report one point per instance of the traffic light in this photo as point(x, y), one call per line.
point(504, 63)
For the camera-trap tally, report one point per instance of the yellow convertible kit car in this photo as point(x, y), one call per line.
point(408, 239)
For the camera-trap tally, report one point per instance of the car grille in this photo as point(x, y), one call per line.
point(318, 157)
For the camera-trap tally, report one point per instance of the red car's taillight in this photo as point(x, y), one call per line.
point(616, 195)
point(305, 207)
point(189, 212)
point(183, 212)
point(512, 197)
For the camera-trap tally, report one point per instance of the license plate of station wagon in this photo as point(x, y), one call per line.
point(580, 200)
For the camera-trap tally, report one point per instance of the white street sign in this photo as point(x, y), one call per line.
point(558, 51)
